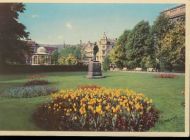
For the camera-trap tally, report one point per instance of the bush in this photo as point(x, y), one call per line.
point(164, 75)
point(98, 109)
point(28, 92)
point(36, 82)
point(41, 68)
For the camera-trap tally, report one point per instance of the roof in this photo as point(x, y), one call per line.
point(181, 5)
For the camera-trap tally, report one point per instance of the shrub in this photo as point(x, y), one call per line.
point(166, 75)
point(98, 109)
point(36, 82)
point(29, 91)
point(41, 68)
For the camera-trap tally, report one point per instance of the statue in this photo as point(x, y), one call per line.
point(95, 50)
point(94, 67)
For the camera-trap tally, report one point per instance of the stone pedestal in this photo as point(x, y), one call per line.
point(94, 70)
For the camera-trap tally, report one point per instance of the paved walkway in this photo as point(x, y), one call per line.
point(151, 72)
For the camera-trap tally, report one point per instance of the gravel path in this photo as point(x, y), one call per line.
point(152, 72)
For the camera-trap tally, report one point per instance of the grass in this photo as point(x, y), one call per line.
point(15, 114)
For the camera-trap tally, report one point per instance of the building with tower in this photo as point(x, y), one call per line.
point(105, 44)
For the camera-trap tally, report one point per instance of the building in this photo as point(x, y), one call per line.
point(175, 13)
point(39, 54)
point(104, 44)
point(41, 57)
point(87, 51)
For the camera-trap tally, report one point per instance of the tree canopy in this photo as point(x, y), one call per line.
point(12, 34)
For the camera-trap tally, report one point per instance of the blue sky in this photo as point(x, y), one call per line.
point(70, 23)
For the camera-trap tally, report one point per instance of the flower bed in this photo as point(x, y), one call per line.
point(98, 109)
point(36, 79)
point(83, 87)
point(28, 91)
point(166, 75)
point(36, 82)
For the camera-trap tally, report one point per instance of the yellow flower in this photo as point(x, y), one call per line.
point(82, 110)
point(113, 109)
point(90, 108)
point(99, 100)
point(99, 109)
point(107, 107)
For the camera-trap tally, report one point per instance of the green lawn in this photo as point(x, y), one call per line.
point(15, 114)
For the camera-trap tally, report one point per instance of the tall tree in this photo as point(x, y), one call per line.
point(118, 56)
point(160, 28)
point(12, 34)
point(139, 46)
point(122, 40)
point(55, 57)
point(172, 49)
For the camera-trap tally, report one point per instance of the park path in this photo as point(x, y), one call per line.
point(151, 72)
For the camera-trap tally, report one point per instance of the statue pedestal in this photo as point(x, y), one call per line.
point(94, 70)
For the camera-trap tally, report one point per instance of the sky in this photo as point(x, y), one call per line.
point(69, 23)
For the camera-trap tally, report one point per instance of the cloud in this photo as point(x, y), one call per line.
point(69, 25)
point(35, 16)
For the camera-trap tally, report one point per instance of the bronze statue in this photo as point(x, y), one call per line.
point(95, 50)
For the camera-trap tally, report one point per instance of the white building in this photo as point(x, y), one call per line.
point(41, 57)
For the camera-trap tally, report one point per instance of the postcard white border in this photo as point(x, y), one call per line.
point(140, 134)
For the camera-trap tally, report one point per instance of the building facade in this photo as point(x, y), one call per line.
point(175, 13)
point(104, 44)
point(39, 55)
point(87, 51)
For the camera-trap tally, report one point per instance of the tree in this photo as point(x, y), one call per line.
point(12, 34)
point(61, 60)
point(118, 56)
point(160, 28)
point(172, 49)
point(139, 46)
point(69, 60)
point(55, 57)
point(76, 51)
point(122, 40)
point(106, 63)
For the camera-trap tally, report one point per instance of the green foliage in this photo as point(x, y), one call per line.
point(28, 91)
point(122, 40)
point(173, 45)
point(170, 42)
point(12, 34)
point(75, 51)
point(139, 46)
point(61, 60)
point(55, 57)
point(118, 56)
point(106, 63)
point(69, 60)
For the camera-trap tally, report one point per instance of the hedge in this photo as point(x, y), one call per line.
point(41, 68)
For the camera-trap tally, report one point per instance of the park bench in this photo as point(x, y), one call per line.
point(138, 69)
point(150, 70)
point(124, 69)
